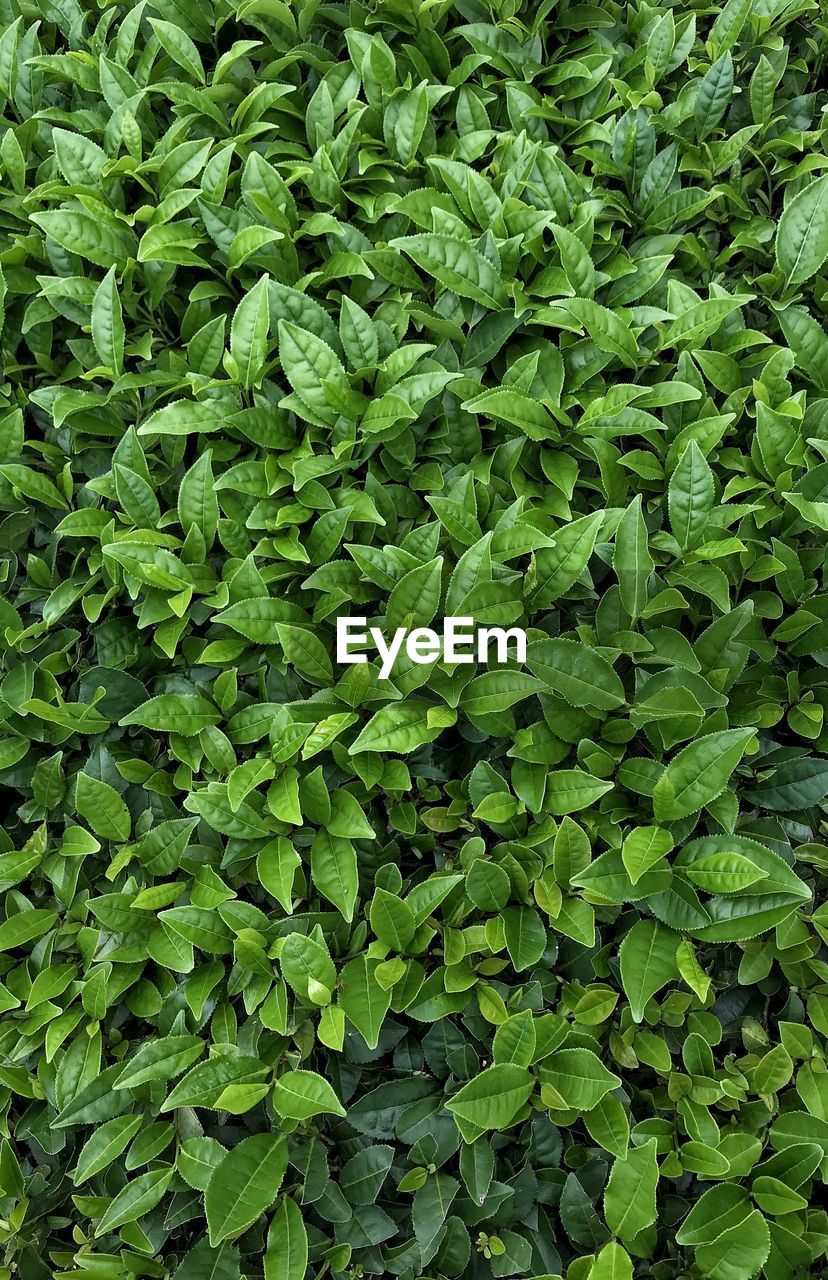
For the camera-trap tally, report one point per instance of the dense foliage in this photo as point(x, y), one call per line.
point(409, 310)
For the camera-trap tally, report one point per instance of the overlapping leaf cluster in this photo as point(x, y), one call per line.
point(515, 312)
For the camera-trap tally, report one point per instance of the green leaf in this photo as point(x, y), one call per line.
point(304, 960)
point(197, 503)
point(630, 1195)
point(184, 418)
point(416, 597)
point(795, 785)
point(690, 496)
point(558, 568)
point(631, 559)
point(716, 1211)
point(160, 1060)
point(493, 1099)
point(648, 962)
point(100, 805)
point(456, 266)
point(79, 231)
point(608, 1125)
point(302, 1094)
point(699, 773)
point(580, 675)
point(773, 1071)
point(108, 324)
point(218, 1264)
point(31, 484)
point(244, 1185)
point(363, 1175)
point(186, 714)
point(286, 1255)
point(525, 936)
point(691, 970)
point(334, 871)
point(399, 728)
point(739, 1252)
point(802, 235)
point(134, 1200)
point(179, 46)
point(612, 1263)
point(105, 1145)
point(392, 920)
point(754, 909)
point(569, 790)
point(363, 1000)
point(487, 885)
point(724, 873)
point(808, 341)
point(644, 848)
point(607, 330)
point(27, 925)
point(713, 96)
point(309, 365)
point(515, 1040)
point(578, 1077)
point(249, 333)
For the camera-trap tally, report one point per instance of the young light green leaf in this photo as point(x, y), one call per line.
point(302, 1094)
point(644, 848)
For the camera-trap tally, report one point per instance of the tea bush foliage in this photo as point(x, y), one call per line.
point(409, 310)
